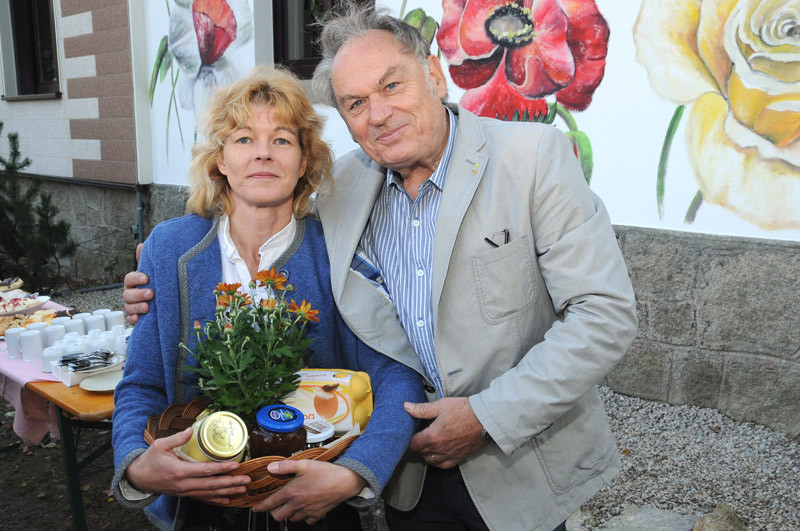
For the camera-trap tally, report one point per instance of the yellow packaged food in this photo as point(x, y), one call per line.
point(342, 397)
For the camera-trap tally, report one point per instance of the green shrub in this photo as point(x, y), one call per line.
point(32, 242)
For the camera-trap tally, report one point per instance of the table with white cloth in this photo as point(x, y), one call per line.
point(44, 404)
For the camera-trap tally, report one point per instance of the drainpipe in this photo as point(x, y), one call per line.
point(139, 213)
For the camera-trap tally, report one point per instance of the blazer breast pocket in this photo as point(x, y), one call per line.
point(505, 280)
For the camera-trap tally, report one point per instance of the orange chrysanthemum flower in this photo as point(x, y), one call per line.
point(304, 311)
point(223, 300)
point(269, 304)
point(230, 289)
point(271, 279)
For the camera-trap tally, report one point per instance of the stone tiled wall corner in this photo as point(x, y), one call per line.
point(718, 324)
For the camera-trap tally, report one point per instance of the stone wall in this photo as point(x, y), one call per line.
point(718, 324)
point(103, 219)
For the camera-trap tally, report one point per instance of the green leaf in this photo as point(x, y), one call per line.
point(584, 148)
point(162, 50)
point(165, 66)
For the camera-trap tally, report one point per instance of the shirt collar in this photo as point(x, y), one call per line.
point(282, 238)
point(439, 174)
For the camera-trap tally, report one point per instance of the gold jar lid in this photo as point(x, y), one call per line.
point(222, 435)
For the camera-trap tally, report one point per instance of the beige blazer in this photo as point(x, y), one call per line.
point(525, 330)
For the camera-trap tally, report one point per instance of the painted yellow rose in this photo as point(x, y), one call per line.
point(737, 62)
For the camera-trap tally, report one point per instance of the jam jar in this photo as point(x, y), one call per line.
point(279, 431)
point(220, 436)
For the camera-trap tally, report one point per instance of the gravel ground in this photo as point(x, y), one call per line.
point(687, 459)
point(92, 300)
point(680, 458)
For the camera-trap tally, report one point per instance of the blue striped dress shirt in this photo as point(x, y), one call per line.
point(398, 241)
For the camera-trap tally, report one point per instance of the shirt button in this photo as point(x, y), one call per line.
point(415, 223)
point(434, 374)
point(420, 323)
point(420, 272)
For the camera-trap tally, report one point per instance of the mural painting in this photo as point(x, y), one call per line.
point(736, 65)
point(202, 50)
point(729, 69)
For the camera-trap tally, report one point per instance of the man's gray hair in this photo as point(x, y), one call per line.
point(350, 20)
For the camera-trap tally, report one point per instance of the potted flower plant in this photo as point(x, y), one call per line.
point(249, 355)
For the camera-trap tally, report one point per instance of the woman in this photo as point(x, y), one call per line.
point(251, 183)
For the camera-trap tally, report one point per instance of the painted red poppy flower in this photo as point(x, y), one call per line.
point(215, 27)
point(509, 55)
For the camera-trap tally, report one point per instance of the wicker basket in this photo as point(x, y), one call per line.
point(178, 417)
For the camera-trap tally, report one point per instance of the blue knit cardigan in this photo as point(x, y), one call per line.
point(182, 259)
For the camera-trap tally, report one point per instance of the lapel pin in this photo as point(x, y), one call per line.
point(475, 169)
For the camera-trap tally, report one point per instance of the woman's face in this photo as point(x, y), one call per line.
point(262, 162)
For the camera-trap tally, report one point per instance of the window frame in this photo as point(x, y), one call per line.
point(10, 59)
point(302, 67)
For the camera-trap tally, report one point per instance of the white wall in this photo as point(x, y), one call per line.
point(43, 125)
point(626, 123)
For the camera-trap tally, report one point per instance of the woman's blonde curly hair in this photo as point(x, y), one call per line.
point(228, 109)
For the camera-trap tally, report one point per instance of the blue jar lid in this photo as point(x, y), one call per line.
point(279, 418)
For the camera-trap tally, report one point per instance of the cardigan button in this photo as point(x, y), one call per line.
point(429, 388)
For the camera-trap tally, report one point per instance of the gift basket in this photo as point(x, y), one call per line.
point(249, 358)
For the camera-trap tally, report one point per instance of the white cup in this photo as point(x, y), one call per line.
point(38, 326)
point(120, 345)
point(49, 355)
point(108, 337)
point(101, 311)
point(114, 319)
point(95, 322)
point(60, 320)
point(12, 342)
point(53, 333)
point(75, 326)
point(31, 345)
point(75, 347)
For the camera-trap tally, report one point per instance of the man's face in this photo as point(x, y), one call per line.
point(392, 109)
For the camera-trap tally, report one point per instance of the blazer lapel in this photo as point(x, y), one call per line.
point(349, 209)
point(467, 166)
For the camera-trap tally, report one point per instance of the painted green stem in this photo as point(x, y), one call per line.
point(402, 9)
point(566, 116)
point(662, 161)
point(694, 207)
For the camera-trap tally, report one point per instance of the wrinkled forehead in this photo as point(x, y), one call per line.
point(363, 61)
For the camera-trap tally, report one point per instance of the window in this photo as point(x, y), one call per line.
point(296, 33)
point(28, 45)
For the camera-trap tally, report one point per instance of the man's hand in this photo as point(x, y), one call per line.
point(317, 488)
point(135, 298)
point(159, 470)
point(454, 434)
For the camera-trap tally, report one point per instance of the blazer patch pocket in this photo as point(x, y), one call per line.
point(504, 280)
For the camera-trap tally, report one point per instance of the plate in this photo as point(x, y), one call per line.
point(28, 309)
point(102, 382)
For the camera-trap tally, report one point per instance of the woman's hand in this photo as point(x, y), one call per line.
point(318, 488)
point(159, 470)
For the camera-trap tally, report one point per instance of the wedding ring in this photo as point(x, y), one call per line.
point(433, 458)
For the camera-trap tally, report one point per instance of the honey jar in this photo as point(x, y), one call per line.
point(220, 436)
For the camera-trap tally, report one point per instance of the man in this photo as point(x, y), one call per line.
point(505, 275)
